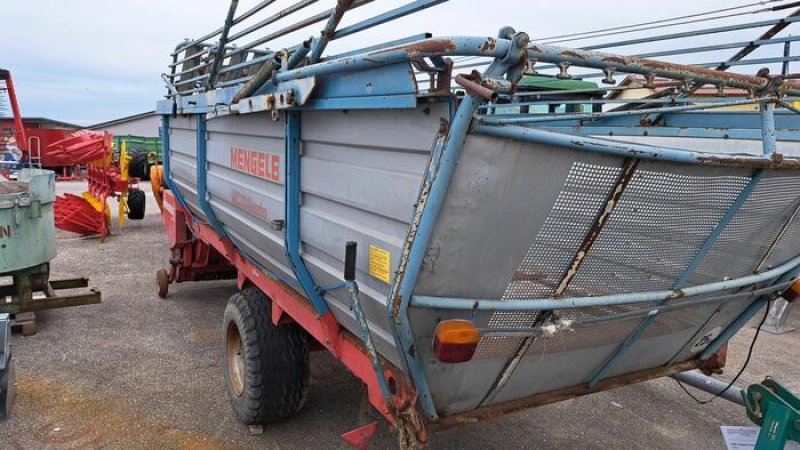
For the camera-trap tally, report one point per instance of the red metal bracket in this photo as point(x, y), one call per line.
point(360, 437)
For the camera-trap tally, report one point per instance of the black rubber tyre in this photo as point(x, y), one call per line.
point(267, 367)
point(136, 204)
point(138, 166)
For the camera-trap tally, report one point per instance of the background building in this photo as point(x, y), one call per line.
point(7, 123)
point(145, 124)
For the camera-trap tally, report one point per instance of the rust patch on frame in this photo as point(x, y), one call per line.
point(591, 237)
point(489, 412)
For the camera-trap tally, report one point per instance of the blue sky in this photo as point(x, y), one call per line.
point(86, 61)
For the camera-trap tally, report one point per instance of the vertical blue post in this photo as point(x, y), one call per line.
point(292, 194)
point(202, 176)
point(165, 147)
point(439, 174)
point(768, 138)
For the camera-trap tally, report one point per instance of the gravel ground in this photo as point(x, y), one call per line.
point(141, 372)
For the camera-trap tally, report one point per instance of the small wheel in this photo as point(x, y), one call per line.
point(136, 204)
point(267, 366)
point(162, 277)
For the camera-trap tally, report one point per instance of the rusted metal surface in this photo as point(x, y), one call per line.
point(471, 83)
point(776, 161)
point(650, 67)
point(493, 411)
point(263, 75)
point(13, 187)
point(594, 232)
point(418, 49)
point(90, 298)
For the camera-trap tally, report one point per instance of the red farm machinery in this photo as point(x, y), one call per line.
point(77, 154)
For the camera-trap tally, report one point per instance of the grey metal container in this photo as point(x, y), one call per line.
point(515, 215)
point(583, 262)
point(27, 230)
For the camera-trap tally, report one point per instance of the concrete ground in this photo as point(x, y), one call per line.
point(141, 372)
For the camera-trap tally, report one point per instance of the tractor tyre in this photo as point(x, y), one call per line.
point(136, 204)
point(267, 365)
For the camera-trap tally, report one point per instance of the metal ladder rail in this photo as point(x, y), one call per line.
point(35, 156)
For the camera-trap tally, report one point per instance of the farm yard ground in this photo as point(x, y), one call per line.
point(141, 372)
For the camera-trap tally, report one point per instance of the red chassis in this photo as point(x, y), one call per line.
point(199, 253)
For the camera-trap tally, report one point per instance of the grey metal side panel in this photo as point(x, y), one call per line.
point(183, 158)
point(360, 174)
point(515, 215)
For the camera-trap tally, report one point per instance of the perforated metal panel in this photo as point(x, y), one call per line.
point(583, 195)
point(655, 230)
point(743, 244)
point(660, 222)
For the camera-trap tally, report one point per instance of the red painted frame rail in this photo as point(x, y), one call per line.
point(287, 302)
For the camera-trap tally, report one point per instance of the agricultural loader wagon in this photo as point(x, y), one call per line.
point(462, 255)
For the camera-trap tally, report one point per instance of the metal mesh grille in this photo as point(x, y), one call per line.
point(583, 194)
point(744, 242)
point(661, 221)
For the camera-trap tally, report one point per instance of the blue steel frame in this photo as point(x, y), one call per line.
point(202, 176)
point(510, 52)
point(292, 195)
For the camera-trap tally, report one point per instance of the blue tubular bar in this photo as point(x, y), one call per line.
point(444, 46)
point(686, 34)
point(388, 16)
point(223, 39)
point(443, 162)
point(330, 27)
point(683, 280)
point(650, 67)
point(627, 149)
point(433, 190)
point(543, 304)
point(299, 53)
point(708, 48)
point(247, 14)
point(768, 136)
point(488, 119)
point(202, 176)
point(366, 336)
point(292, 214)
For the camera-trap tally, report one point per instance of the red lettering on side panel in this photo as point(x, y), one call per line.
point(259, 164)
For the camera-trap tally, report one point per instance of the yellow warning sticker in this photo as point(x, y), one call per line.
point(380, 263)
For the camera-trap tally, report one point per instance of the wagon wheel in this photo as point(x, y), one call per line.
point(162, 277)
point(267, 367)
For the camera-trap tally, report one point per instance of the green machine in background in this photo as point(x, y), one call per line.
point(27, 244)
point(144, 152)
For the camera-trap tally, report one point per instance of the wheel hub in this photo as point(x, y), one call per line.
point(235, 359)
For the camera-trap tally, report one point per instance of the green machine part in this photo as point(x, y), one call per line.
point(777, 411)
point(28, 243)
point(152, 145)
point(27, 228)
